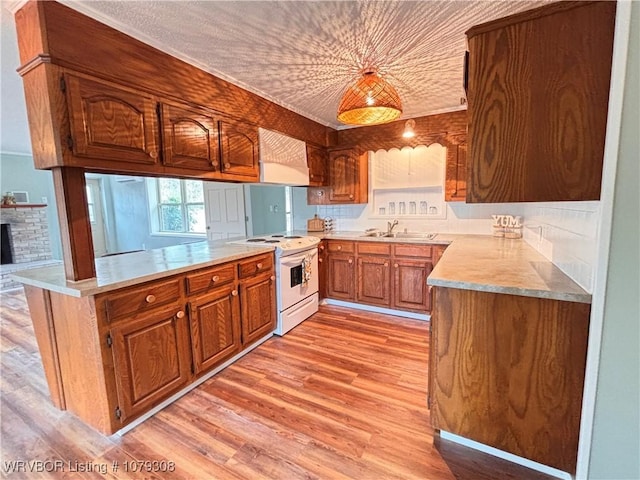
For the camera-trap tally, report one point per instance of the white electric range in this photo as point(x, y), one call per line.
point(296, 276)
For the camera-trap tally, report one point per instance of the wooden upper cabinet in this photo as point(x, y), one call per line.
point(348, 172)
point(189, 138)
point(538, 99)
point(109, 122)
point(456, 170)
point(317, 160)
point(239, 149)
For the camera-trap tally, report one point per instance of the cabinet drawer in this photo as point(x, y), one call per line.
point(142, 298)
point(255, 265)
point(422, 251)
point(373, 248)
point(210, 278)
point(337, 246)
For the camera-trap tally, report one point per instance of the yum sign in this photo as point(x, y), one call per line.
point(507, 226)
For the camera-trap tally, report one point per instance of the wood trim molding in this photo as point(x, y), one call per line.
point(33, 63)
point(75, 229)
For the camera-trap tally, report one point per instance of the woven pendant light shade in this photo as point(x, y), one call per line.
point(370, 101)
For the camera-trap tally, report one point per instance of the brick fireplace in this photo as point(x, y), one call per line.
point(27, 233)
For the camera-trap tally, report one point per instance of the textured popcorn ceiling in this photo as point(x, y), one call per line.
point(303, 54)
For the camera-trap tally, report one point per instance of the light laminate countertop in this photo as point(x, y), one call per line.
point(489, 264)
point(499, 265)
point(128, 269)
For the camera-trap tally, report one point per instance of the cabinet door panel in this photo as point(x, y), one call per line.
point(317, 159)
point(239, 149)
point(410, 285)
point(111, 123)
point(456, 170)
point(190, 138)
point(258, 304)
point(522, 149)
point(151, 359)
point(215, 333)
point(343, 176)
point(373, 280)
point(341, 277)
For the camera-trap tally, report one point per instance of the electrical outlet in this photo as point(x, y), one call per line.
point(44, 200)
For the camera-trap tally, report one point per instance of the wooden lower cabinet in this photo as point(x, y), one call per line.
point(215, 328)
point(112, 357)
point(410, 290)
point(341, 276)
point(374, 281)
point(508, 371)
point(151, 359)
point(258, 302)
point(383, 274)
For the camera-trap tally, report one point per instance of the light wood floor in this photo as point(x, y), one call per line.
point(342, 396)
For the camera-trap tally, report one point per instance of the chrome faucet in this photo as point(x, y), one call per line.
point(391, 226)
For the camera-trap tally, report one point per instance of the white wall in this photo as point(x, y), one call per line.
point(615, 448)
point(564, 232)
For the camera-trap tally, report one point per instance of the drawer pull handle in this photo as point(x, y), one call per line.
point(339, 247)
point(227, 165)
point(180, 314)
point(258, 266)
point(234, 293)
point(215, 278)
point(150, 298)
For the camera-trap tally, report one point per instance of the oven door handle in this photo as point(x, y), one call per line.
point(295, 260)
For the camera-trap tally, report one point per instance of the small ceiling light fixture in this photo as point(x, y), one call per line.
point(409, 129)
point(370, 101)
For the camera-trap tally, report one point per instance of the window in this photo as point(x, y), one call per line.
point(177, 206)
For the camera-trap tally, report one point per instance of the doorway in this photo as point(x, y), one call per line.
point(225, 210)
point(96, 216)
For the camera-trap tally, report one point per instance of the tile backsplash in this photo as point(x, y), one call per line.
point(564, 232)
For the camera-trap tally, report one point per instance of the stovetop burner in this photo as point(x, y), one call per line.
point(256, 240)
point(272, 241)
point(278, 236)
point(293, 236)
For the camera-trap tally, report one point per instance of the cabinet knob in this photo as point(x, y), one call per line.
point(321, 248)
point(258, 266)
point(215, 278)
point(339, 247)
point(153, 154)
point(227, 165)
point(312, 176)
point(351, 197)
point(272, 278)
point(386, 264)
point(320, 193)
point(150, 298)
point(350, 261)
point(395, 265)
point(234, 293)
point(180, 314)
point(319, 260)
point(214, 163)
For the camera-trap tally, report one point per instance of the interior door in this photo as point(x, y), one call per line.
point(224, 209)
point(96, 217)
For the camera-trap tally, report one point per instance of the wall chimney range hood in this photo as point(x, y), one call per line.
point(283, 160)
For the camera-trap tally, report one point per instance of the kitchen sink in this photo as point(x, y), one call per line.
point(407, 235)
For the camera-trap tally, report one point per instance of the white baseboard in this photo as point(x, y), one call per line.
point(190, 387)
point(554, 472)
point(371, 308)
